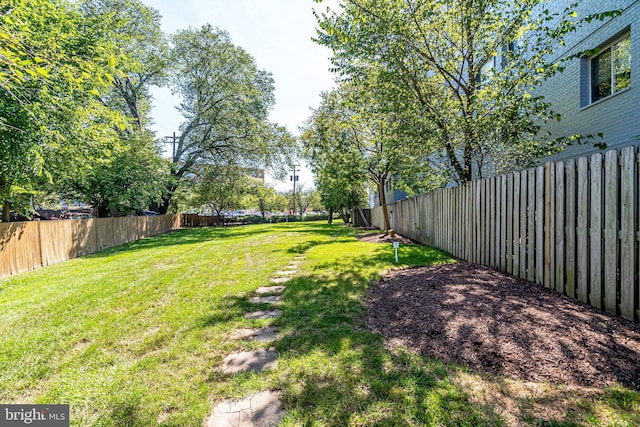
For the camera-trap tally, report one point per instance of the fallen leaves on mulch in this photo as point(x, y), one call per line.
point(475, 316)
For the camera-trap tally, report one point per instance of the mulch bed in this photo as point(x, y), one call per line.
point(384, 238)
point(472, 315)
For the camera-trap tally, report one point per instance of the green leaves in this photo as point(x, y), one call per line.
point(226, 102)
point(459, 74)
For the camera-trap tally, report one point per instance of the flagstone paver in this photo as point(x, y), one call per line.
point(285, 272)
point(280, 279)
point(246, 361)
point(266, 300)
point(260, 335)
point(266, 290)
point(263, 314)
point(258, 410)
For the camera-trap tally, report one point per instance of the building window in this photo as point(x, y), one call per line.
point(611, 69)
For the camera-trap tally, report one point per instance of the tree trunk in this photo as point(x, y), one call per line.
point(344, 214)
point(383, 204)
point(330, 216)
point(102, 210)
point(6, 211)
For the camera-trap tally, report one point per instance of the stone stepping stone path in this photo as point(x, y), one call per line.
point(258, 410)
point(266, 290)
point(263, 314)
point(246, 361)
point(266, 300)
point(264, 335)
point(285, 272)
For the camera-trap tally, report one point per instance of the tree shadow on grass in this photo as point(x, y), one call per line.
point(193, 236)
point(336, 372)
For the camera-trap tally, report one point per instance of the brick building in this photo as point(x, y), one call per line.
point(597, 94)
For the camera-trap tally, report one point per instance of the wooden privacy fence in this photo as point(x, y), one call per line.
point(572, 226)
point(195, 220)
point(29, 245)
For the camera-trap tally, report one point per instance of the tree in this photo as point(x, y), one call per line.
point(226, 101)
point(304, 198)
point(340, 177)
point(124, 172)
point(465, 73)
point(142, 50)
point(265, 197)
point(52, 60)
point(221, 187)
point(352, 135)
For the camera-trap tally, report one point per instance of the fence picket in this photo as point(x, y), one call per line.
point(550, 220)
point(582, 235)
point(596, 295)
point(516, 224)
point(478, 231)
point(610, 231)
point(531, 231)
point(570, 229)
point(627, 233)
point(540, 247)
point(510, 223)
point(492, 221)
point(559, 228)
point(503, 223)
point(523, 224)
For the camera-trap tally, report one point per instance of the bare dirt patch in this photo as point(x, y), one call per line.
point(493, 323)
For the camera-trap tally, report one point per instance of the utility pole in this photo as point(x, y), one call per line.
point(174, 141)
point(294, 178)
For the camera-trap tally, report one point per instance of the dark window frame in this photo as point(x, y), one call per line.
point(602, 80)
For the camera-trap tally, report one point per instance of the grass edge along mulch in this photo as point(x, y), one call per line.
point(536, 355)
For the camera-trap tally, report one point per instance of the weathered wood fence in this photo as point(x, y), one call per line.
point(195, 220)
point(29, 245)
point(573, 226)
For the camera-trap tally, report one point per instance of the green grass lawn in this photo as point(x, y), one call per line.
point(132, 336)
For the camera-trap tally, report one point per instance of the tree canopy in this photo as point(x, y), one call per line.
point(463, 73)
point(53, 59)
point(225, 103)
point(75, 79)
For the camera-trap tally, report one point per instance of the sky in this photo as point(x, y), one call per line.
point(277, 33)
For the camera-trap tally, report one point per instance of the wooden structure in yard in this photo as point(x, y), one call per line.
point(572, 226)
point(29, 245)
point(195, 220)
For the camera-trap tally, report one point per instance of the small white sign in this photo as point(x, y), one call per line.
point(396, 245)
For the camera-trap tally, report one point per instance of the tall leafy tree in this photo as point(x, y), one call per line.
point(354, 136)
point(265, 197)
point(466, 72)
point(51, 61)
point(303, 199)
point(225, 102)
point(123, 168)
point(339, 172)
point(222, 187)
